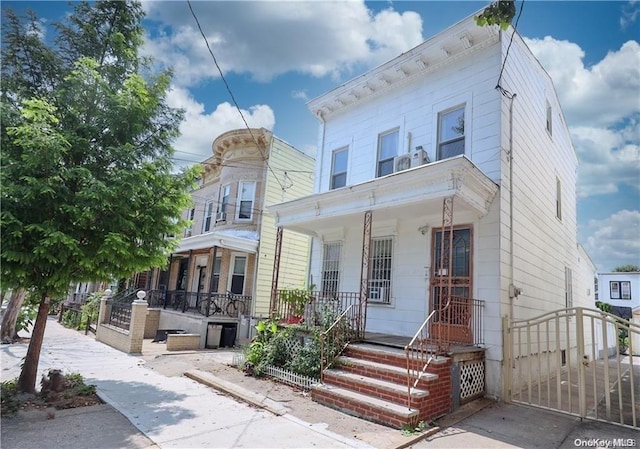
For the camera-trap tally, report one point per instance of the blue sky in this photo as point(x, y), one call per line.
point(277, 55)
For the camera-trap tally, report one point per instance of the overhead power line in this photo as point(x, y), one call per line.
point(215, 61)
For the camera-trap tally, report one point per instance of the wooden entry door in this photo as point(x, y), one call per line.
point(456, 321)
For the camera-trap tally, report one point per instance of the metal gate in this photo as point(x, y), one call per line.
point(577, 361)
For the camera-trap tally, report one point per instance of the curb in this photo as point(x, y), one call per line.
point(237, 392)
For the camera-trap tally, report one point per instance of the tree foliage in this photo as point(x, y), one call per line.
point(88, 189)
point(500, 12)
point(630, 268)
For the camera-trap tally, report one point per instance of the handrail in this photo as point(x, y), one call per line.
point(418, 350)
point(334, 338)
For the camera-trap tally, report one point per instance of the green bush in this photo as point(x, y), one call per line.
point(307, 360)
point(9, 402)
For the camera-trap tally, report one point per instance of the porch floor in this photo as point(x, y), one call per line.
point(399, 342)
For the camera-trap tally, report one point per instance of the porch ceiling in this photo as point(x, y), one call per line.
point(410, 193)
point(236, 241)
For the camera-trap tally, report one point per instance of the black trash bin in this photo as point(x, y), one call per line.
point(228, 336)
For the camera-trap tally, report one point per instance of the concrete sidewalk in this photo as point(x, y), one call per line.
point(173, 412)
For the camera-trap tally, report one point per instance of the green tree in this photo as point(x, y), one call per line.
point(88, 188)
point(626, 268)
point(500, 12)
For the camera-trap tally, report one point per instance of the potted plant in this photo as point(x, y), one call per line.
point(296, 299)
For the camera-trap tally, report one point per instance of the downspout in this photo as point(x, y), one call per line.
point(512, 296)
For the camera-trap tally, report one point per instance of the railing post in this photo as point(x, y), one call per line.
point(581, 363)
point(364, 274)
point(276, 272)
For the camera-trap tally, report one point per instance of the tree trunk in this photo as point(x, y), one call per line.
point(10, 317)
point(27, 379)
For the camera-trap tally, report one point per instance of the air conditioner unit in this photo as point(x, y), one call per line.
point(402, 162)
point(221, 216)
point(378, 294)
point(419, 157)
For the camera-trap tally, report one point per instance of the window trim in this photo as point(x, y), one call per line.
point(323, 269)
point(378, 160)
point(386, 301)
point(232, 268)
point(241, 184)
point(439, 142)
point(208, 215)
point(225, 194)
point(558, 199)
point(334, 174)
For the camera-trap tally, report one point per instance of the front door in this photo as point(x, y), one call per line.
point(455, 318)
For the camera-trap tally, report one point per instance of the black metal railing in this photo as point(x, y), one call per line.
point(119, 314)
point(318, 306)
point(206, 304)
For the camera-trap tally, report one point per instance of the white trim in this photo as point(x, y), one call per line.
point(218, 238)
point(232, 264)
point(239, 201)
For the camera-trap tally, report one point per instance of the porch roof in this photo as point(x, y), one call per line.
point(410, 193)
point(245, 241)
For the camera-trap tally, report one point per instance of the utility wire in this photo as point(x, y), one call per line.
point(502, 90)
point(215, 61)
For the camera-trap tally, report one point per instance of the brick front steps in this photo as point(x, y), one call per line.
point(370, 382)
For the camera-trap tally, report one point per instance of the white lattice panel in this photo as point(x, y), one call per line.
point(471, 379)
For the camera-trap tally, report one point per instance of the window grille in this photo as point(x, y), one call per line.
point(331, 267)
point(380, 262)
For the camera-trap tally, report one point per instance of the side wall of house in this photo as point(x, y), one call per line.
point(543, 253)
point(291, 177)
point(544, 241)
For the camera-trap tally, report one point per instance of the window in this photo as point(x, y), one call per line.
point(568, 287)
point(215, 275)
point(246, 194)
point(380, 260)
point(558, 199)
point(238, 275)
point(188, 231)
point(208, 214)
point(224, 201)
point(331, 267)
point(620, 289)
point(450, 133)
point(387, 150)
point(339, 168)
point(549, 119)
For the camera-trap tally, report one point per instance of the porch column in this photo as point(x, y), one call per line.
point(214, 255)
point(446, 254)
point(273, 306)
point(364, 274)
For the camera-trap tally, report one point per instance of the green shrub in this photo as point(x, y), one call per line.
point(9, 402)
point(307, 360)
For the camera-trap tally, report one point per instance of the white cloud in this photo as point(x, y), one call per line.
point(602, 94)
point(629, 14)
point(601, 106)
point(300, 95)
point(266, 39)
point(608, 158)
point(199, 129)
point(614, 240)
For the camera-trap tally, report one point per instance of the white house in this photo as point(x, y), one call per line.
point(621, 291)
point(457, 135)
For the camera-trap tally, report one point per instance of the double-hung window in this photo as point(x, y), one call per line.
point(339, 168)
point(189, 231)
point(225, 191)
point(208, 216)
point(246, 194)
point(380, 262)
point(387, 151)
point(215, 274)
point(239, 267)
point(451, 133)
point(331, 267)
